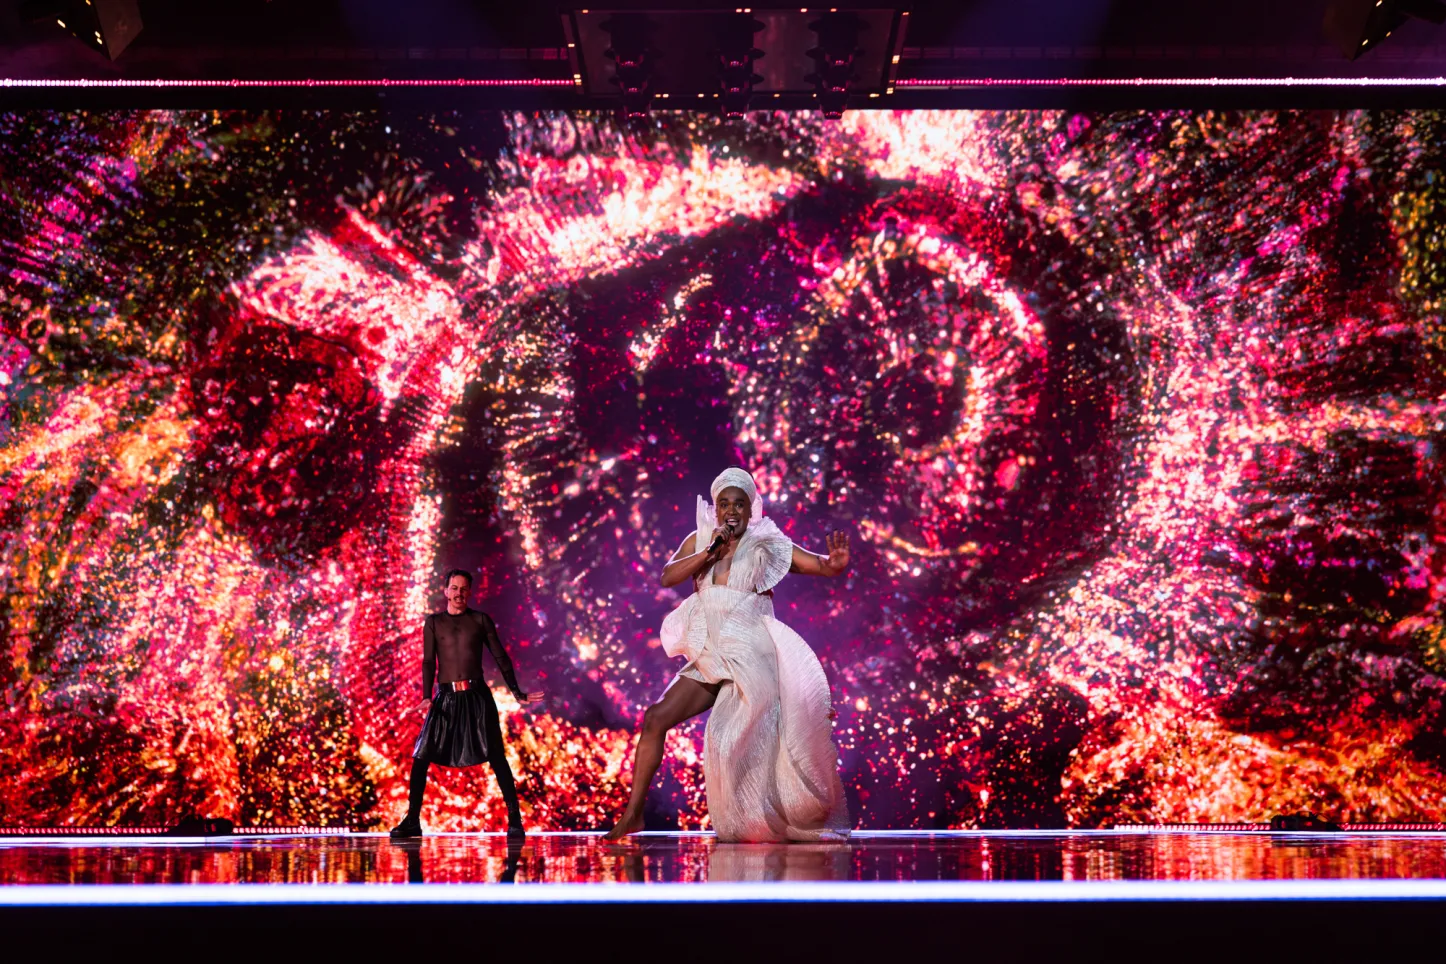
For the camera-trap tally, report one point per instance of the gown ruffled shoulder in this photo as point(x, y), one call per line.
point(771, 551)
point(774, 554)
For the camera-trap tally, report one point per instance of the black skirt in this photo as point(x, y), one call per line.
point(460, 728)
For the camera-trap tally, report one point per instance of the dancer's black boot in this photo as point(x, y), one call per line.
point(411, 825)
point(508, 786)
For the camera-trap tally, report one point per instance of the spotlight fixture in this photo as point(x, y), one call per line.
point(736, 55)
point(107, 26)
point(634, 60)
point(1355, 26)
point(833, 57)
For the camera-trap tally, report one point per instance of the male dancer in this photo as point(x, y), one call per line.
point(461, 729)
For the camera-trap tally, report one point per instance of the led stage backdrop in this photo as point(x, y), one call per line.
point(1136, 421)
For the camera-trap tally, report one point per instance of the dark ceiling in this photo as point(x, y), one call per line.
point(295, 39)
point(188, 23)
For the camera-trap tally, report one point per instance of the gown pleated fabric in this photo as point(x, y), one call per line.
point(769, 760)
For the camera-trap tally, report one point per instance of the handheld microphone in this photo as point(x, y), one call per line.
point(718, 539)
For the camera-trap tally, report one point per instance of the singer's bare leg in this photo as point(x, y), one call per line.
point(684, 699)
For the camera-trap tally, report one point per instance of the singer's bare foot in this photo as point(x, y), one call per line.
point(627, 825)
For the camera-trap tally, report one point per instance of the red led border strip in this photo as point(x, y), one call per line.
point(161, 831)
point(223, 84)
point(925, 83)
point(1265, 827)
point(910, 83)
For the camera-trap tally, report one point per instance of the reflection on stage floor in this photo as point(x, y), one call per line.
point(670, 858)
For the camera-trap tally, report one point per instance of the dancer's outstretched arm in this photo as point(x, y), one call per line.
point(816, 564)
point(429, 663)
point(494, 644)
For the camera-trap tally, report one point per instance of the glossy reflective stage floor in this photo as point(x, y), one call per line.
point(998, 896)
point(659, 858)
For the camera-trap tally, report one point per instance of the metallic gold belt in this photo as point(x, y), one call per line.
point(458, 686)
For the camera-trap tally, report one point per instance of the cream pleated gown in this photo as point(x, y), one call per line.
point(769, 758)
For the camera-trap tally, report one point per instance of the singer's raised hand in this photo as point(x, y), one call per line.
point(720, 539)
point(834, 563)
point(838, 552)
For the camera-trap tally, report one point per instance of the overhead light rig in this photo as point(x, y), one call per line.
point(838, 34)
point(634, 59)
point(733, 60)
point(736, 57)
point(1357, 26)
point(106, 26)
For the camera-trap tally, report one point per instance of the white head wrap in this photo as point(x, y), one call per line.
point(762, 536)
point(735, 477)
